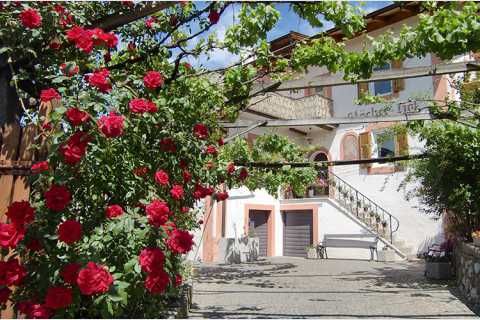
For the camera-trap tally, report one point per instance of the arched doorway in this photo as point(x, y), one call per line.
point(320, 188)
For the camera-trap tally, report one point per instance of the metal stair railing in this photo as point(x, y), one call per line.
point(364, 208)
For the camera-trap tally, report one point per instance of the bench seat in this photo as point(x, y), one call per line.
point(365, 241)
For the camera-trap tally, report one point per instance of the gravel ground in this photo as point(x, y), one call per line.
point(284, 287)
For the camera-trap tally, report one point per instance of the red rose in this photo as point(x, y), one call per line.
point(113, 211)
point(161, 177)
point(167, 145)
point(69, 273)
point(198, 192)
point(24, 307)
point(57, 198)
point(99, 79)
point(58, 297)
point(76, 116)
point(178, 280)
point(39, 167)
point(10, 235)
point(157, 212)
point(54, 44)
point(153, 80)
point(150, 21)
point(187, 177)
point(31, 18)
point(49, 94)
point(243, 174)
point(142, 105)
point(111, 125)
point(200, 131)
point(182, 164)
point(185, 209)
point(200, 221)
point(39, 311)
point(221, 196)
point(211, 150)
point(85, 41)
point(187, 65)
point(140, 171)
point(70, 231)
point(131, 46)
point(34, 245)
point(4, 295)
point(12, 272)
point(157, 282)
point(177, 192)
point(107, 57)
point(20, 213)
point(47, 126)
point(180, 241)
point(151, 259)
point(66, 20)
point(208, 191)
point(93, 279)
point(230, 168)
point(213, 16)
point(75, 147)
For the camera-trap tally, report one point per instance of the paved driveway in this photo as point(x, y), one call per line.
point(291, 287)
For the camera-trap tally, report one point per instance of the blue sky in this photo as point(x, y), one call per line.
point(289, 21)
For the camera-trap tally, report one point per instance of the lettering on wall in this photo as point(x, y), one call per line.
point(375, 112)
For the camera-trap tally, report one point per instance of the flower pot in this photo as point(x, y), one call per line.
point(476, 242)
point(312, 253)
point(438, 270)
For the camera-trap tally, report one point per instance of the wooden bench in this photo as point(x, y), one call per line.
point(365, 241)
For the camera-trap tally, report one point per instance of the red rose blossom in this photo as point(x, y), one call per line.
point(153, 80)
point(131, 46)
point(167, 145)
point(161, 177)
point(180, 241)
point(70, 231)
point(34, 245)
point(39, 311)
point(178, 280)
point(76, 116)
point(243, 174)
point(24, 307)
point(57, 198)
point(69, 69)
point(47, 95)
point(142, 105)
point(157, 282)
point(10, 235)
point(211, 150)
point(12, 272)
point(187, 177)
point(230, 168)
point(213, 16)
point(58, 297)
point(99, 79)
point(30, 18)
point(20, 213)
point(39, 167)
point(200, 131)
point(69, 273)
point(75, 147)
point(185, 209)
point(113, 211)
point(93, 279)
point(4, 295)
point(151, 259)
point(220, 141)
point(157, 212)
point(221, 196)
point(149, 22)
point(111, 125)
point(177, 192)
point(182, 164)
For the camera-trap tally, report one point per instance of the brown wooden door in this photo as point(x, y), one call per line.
point(258, 224)
point(297, 232)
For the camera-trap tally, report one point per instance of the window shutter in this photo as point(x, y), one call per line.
point(402, 144)
point(398, 84)
point(365, 141)
point(362, 88)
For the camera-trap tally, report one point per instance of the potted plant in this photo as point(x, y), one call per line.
point(438, 261)
point(476, 238)
point(311, 252)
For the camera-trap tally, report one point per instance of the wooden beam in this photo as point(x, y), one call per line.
point(320, 164)
point(253, 126)
point(268, 116)
point(116, 20)
point(392, 74)
point(332, 121)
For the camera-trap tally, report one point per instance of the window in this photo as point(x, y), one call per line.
point(385, 142)
point(381, 88)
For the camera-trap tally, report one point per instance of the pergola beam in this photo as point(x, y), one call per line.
point(393, 74)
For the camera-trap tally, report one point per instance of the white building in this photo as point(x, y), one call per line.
point(365, 198)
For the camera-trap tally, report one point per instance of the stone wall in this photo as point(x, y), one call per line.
point(467, 262)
